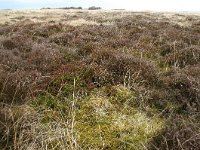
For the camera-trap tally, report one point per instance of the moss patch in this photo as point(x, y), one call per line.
point(104, 124)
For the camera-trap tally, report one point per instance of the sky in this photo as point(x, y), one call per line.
point(137, 5)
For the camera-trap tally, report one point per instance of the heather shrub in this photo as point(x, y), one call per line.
point(47, 30)
point(10, 58)
point(85, 50)
point(187, 56)
point(20, 42)
point(116, 67)
point(183, 89)
point(43, 58)
point(8, 44)
point(122, 64)
point(193, 70)
point(101, 76)
point(5, 29)
point(181, 133)
point(62, 38)
point(15, 85)
point(166, 49)
point(70, 75)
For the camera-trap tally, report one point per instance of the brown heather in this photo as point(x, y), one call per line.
point(99, 80)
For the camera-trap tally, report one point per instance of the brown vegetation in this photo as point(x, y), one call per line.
point(57, 80)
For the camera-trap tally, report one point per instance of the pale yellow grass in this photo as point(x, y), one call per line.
point(49, 15)
point(62, 16)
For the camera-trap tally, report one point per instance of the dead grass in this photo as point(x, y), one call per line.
point(99, 80)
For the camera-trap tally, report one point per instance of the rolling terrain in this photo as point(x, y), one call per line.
point(79, 79)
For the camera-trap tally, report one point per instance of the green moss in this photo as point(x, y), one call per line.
point(103, 120)
point(122, 95)
point(51, 108)
point(103, 123)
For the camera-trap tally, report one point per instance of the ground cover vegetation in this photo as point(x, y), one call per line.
point(125, 81)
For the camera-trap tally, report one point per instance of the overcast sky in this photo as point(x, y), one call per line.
point(156, 5)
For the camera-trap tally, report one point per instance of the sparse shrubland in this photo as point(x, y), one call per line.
point(128, 81)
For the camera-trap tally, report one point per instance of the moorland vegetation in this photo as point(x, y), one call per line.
point(132, 83)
